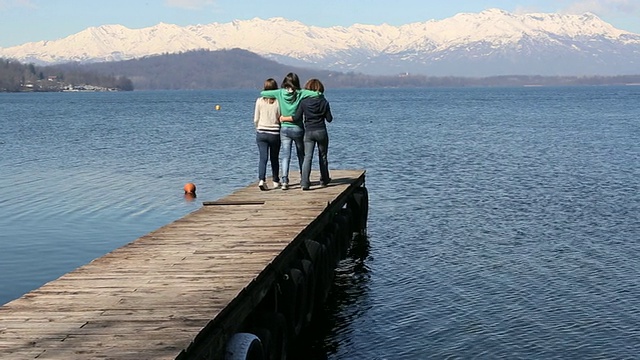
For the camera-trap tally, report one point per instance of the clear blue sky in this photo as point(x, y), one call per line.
point(24, 21)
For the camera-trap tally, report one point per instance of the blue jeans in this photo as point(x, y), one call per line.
point(287, 136)
point(311, 138)
point(269, 147)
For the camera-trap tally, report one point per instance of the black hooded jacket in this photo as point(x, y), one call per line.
point(313, 111)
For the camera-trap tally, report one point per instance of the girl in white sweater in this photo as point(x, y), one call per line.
point(267, 122)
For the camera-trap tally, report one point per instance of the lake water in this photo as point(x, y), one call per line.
point(503, 222)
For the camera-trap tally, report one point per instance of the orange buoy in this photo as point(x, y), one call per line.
point(189, 188)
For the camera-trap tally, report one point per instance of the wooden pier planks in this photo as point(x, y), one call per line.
point(151, 298)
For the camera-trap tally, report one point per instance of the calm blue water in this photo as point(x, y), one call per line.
point(504, 223)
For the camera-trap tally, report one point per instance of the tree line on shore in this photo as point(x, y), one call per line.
point(241, 69)
point(18, 77)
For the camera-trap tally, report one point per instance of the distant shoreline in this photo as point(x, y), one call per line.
point(341, 88)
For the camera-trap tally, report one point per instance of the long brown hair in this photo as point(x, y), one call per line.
point(291, 81)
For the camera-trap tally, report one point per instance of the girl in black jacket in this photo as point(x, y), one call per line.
point(314, 112)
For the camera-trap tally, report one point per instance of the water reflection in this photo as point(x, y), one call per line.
point(189, 197)
point(346, 302)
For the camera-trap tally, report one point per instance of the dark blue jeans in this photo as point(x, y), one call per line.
point(269, 147)
point(311, 138)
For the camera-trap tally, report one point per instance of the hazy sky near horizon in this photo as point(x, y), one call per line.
point(23, 21)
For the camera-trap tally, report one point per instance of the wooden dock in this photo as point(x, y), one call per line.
point(180, 291)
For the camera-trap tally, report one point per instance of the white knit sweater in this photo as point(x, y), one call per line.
point(267, 116)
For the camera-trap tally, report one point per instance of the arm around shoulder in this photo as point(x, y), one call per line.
point(304, 93)
point(270, 93)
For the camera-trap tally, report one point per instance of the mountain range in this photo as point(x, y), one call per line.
point(490, 43)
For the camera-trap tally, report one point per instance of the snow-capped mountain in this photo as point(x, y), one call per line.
point(492, 42)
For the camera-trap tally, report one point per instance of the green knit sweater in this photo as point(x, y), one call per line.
point(288, 105)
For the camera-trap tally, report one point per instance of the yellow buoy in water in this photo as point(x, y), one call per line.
point(217, 107)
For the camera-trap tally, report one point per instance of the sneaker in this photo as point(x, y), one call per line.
point(305, 188)
point(276, 184)
point(325, 183)
point(262, 185)
point(285, 186)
